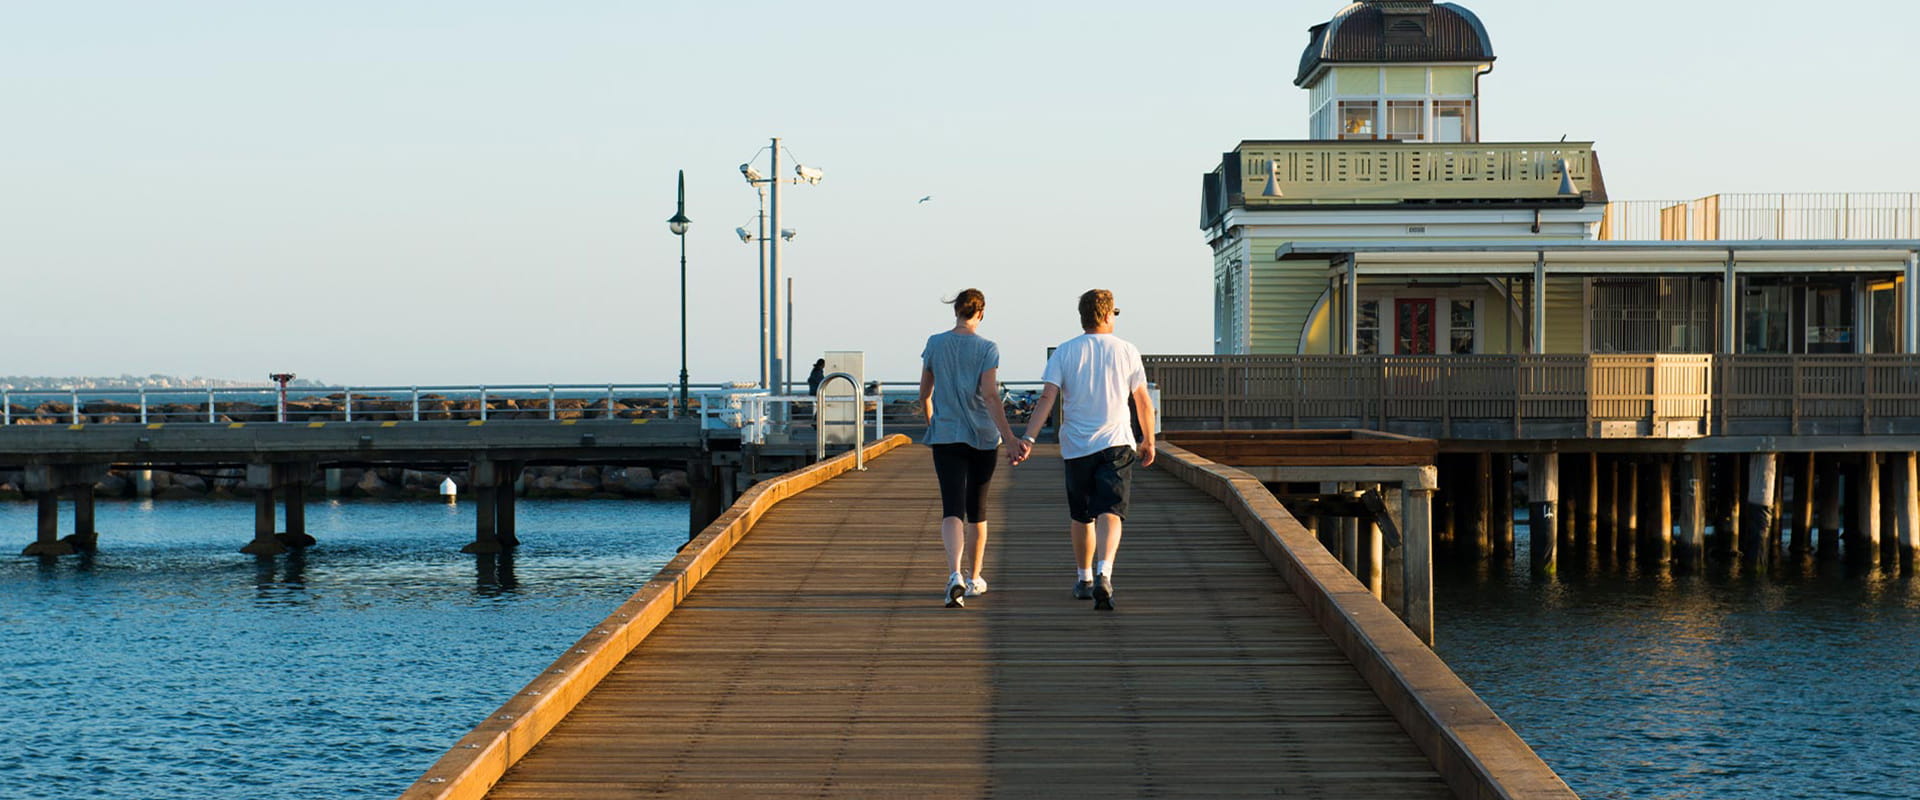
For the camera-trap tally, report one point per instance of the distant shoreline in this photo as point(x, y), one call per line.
point(383, 483)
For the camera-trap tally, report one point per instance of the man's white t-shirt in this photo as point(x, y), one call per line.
point(1095, 372)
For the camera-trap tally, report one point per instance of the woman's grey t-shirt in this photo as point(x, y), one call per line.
point(959, 415)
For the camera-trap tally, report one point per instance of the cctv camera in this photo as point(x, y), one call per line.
point(787, 234)
point(753, 175)
point(746, 236)
point(809, 174)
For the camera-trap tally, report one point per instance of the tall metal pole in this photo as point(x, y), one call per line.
point(681, 212)
point(773, 276)
point(789, 375)
point(765, 370)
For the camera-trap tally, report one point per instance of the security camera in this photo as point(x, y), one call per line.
point(753, 175)
point(746, 236)
point(787, 234)
point(809, 174)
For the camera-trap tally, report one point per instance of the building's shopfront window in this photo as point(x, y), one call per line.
point(1461, 327)
point(1367, 341)
point(1829, 320)
point(1764, 319)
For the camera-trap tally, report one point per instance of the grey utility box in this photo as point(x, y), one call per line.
point(839, 418)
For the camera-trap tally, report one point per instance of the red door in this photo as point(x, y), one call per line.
point(1413, 327)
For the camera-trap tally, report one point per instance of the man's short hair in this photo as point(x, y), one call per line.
point(1096, 306)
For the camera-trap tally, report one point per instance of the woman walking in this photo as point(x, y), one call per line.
point(959, 389)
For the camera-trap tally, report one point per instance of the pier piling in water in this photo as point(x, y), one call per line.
point(1827, 516)
point(1543, 500)
point(1760, 505)
point(1863, 537)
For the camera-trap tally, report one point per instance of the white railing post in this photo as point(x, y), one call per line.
point(210, 415)
point(610, 414)
point(6, 408)
point(415, 390)
point(483, 404)
point(346, 403)
point(670, 410)
point(74, 412)
point(553, 411)
point(143, 406)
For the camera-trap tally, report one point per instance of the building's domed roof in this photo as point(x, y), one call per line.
point(1386, 31)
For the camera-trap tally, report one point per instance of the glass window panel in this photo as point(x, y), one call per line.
point(1453, 121)
point(1369, 342)
point(1462, 341)
point(1463, 313)
point(1369, 314)
point(1406, 119)
point(1356, 119)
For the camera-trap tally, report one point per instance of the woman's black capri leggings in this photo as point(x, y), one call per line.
point(964, 471)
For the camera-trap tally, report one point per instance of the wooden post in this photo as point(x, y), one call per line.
point(1372, 554)
point(1590, 502)
point(1761, 479)
point(1543, 500)
point(1734, 495)
point(1629, 510)
point(1910, 509)
point(1416, 539)
point(1863, 537)
point(1393, 567)
point(1827, 486)
point(1801, 535)
point(1891, 487)
point(1502, 510)
point(1659, 528)
point(1693, 510)
point(1481, 496)
point(1606, 509)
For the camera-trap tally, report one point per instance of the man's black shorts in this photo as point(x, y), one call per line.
point(1099, 484)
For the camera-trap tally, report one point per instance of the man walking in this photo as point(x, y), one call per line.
point(1092, 376)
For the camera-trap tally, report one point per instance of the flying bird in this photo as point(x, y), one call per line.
point(925, 199)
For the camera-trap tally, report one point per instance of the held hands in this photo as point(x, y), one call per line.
point(1017, 451)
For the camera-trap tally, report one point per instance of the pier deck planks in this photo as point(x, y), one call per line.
point(817, 661)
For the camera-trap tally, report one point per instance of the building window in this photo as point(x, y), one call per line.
point(1406, 119)
point(1453, 121)
point(1829, 319)
point(1763, 327)
point(1368, 340)
point(1357, 119)
point(1461, 328)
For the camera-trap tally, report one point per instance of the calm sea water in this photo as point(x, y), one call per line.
point(1801, 683)
point(171, 666)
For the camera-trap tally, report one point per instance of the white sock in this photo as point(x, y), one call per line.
point(1085, 574)
point(1103, 568)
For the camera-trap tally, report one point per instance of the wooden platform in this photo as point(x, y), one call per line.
point(817, 661)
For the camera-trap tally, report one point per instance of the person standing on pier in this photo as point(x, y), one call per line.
point(959, 390)
point(1092, 376)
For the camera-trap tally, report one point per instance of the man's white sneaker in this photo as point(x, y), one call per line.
point(956, 591)
point(977, 586)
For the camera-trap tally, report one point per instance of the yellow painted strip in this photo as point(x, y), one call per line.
point(316, 424)
point(388, 424)
point(568, 421)
point(81, 426)
point(236, 426)
point(641, 421)
point(475, 423)
point(154, 426)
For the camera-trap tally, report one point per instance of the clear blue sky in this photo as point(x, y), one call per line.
point(475, 190)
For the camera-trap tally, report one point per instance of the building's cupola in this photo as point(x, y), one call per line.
point(1405, 70)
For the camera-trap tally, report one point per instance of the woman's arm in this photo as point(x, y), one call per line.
point(926, 392)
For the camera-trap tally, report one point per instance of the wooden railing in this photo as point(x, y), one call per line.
point(1739, 217)
point(1545, 396)
point(1362, 172)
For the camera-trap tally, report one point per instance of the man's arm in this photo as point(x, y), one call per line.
point(1041, 409)
point(1143, 405)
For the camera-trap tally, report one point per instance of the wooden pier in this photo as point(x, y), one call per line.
point(815, 659)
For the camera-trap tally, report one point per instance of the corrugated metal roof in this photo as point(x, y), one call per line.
point(1388, 31)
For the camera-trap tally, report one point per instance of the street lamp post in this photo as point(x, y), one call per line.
point(678, 224)
point(777, 368)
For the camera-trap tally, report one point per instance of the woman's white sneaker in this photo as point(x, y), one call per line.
point(956, 591)
point(977, 586)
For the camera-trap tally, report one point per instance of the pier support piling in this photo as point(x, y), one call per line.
point(1800, 538)
point(1692, 547)
point(47, 527)
point(1416, 540)
point(1909, 509)
point(1629, 514)
point(1762, 478)
point(1863, 536)
point(1657, 548)
point(1827, 478)
point(1543, 500)
point(493, 524)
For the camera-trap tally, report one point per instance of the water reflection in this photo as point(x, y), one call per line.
point(281, 580)
point(494, 574)
point(1726, 680)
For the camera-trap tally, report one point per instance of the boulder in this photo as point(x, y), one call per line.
point(574, 487)
point(11, 491)
point(372, 485)
point(112, 486)
point(192, 484)
point(672, 484)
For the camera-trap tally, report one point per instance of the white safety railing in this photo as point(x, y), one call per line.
point(305, 405)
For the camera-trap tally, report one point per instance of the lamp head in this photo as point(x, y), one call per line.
point(678, 224)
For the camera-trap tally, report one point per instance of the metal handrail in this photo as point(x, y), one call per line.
point(353, 401)
point(859, 402)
